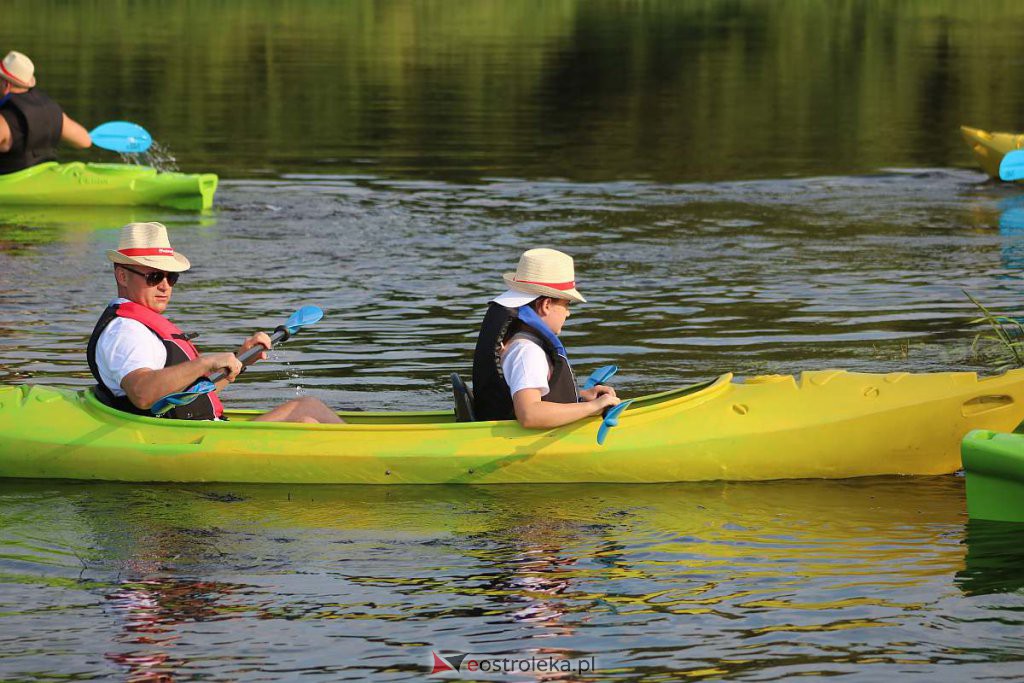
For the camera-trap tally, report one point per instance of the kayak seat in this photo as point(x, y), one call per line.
point(103, 397)
point(463, 400)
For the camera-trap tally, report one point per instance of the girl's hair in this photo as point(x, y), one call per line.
point(516, 325)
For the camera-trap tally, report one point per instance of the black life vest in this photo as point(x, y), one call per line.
point(179, 350)
point(492, 397)
point(36, 124)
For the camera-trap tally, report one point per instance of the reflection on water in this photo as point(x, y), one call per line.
point(151, 612)
point(780, 578)
point(675, 90)
point(995, 558)
point(1011, 228)
point(24, 228)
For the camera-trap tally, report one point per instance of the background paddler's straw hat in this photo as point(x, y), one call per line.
point(146, 244)
point(18, 69)
point(541, 272)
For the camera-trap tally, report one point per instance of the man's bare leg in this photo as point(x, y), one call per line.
point(305, 409)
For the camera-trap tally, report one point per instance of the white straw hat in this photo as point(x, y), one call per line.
point(18, 69)
point(146, 244)
point(541, 272)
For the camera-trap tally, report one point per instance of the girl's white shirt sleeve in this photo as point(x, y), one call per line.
point(525, 366)
point(125, 346)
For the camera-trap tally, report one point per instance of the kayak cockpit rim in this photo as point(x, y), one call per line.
point(393, 420)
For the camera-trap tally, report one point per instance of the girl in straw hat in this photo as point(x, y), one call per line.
point(31, 124)
point(139, 356)
point(520, 368)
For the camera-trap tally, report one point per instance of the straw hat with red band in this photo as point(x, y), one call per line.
point(18, 69)
point(146, 244)
point(541, 272)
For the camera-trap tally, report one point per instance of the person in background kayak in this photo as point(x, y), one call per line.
point(31, 124)
point(138, 356)
point(520, 367)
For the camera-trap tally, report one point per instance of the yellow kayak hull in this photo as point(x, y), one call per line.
point(822, 424)
point(990, 148)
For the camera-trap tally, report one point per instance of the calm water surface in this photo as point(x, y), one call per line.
point(746, 186)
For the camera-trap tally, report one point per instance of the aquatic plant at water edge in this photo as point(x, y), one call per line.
point(1003, 338)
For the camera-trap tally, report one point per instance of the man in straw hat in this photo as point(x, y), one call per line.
point(31, 124)
point(138, 356)
point(520, 367)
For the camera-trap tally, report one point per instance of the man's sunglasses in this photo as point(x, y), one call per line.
point(154, 277)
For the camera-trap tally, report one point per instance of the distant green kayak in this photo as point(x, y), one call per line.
point(994, 466)
point(53, 184)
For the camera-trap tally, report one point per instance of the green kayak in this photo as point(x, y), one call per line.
point(994, 467)
point(78, 184)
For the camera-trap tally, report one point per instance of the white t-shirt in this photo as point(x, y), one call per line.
point(124, 346)
point(525, 366)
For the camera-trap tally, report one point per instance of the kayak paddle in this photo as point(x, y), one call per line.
point(611, 419)
point(121, 136)
point(600, 376)
point(1012, 166)
point(182, 398)
point(307, 315)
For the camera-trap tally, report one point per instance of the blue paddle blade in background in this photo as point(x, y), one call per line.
point(182, 398)
point(121, 136)
point(611, 419)
point(307, 315)
point(1012, 166)
point(600, 376)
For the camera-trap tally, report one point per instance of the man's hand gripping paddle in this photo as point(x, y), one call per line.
point(307, 315)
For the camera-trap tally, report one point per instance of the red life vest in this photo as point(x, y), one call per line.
point(179, 350)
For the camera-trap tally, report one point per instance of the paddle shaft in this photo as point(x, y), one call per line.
point(280, 334)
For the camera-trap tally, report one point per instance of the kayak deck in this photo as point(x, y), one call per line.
point(990, 148)
point(824, 424)
point(81, 184)
point(994, 470)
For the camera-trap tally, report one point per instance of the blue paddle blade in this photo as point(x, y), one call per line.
point(182, 398)
point(1012, 166)
point(600, 376)
point(121, 136)
point(307, 315)
point(611, 419)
